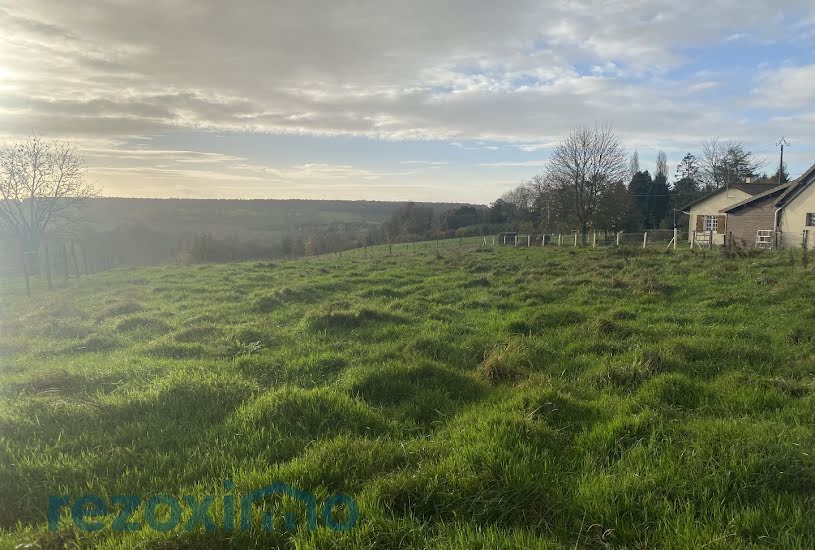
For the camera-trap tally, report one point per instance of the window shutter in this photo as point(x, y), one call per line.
point(721, 228)
point(700, 222)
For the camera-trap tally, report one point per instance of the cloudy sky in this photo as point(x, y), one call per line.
point(424, 100)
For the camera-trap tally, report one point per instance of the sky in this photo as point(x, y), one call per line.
point(457, 100)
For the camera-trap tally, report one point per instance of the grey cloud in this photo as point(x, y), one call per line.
point(393, 70)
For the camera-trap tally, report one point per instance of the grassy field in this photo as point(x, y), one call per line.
point(464, 398)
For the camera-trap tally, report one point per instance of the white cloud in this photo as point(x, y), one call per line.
point(515, 164)
point(787, 87)
point(472, 73)
point(417, 70)
point(424, 162)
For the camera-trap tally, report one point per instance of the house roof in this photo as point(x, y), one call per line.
point(797, 185)
point(785, 192)
point(751, 189)
point(774, 190)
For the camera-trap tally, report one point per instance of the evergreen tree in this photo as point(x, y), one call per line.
point(640, 191)
point(660, 201)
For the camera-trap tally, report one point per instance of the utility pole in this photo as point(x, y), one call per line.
point(781, 143)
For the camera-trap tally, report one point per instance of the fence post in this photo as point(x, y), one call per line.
point(559, 239)
point(516, 239)
point(543, 239)
point(619, 234)
point(575, 239)
point(493, 240)
point(676, 237)
point(594, 240)
point(644, 239)
point(528, 241)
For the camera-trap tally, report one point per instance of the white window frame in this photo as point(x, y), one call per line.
point(810, 219)
point(710, 223)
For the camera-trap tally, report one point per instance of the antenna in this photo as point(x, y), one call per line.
point(781, 143)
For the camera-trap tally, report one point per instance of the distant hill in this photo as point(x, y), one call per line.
point(241, 218)
point(131, 231)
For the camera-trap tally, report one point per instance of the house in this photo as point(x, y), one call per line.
point(782, 217)
point(706, 217)
point(750, 221)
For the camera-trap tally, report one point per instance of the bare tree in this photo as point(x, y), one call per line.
point(584, 168)
point(662, 165)
point(634, 166)
point(41, 182)
point(729, 162)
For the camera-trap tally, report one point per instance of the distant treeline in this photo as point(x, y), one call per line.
point(114, 232)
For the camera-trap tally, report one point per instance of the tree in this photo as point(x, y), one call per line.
point(616, 210)
point(462, 216)
point(660, 200)
point(686, 188)
point(41, 183)
point(688, 168)
point(634, 165)
point(662, 165)
point(410, 220)
point(785, 176)
point(726, 163)
point(584, 168)
point(640, 191)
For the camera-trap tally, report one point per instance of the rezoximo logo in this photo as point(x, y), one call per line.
point(165, 513)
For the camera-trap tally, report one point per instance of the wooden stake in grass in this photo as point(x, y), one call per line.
point(644, 239)
point(619, 235)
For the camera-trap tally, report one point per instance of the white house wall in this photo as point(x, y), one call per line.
point(712, 206)
point(793, 219)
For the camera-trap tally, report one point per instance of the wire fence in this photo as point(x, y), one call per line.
point(658, 238)
point(594, 239)
point(70, 259)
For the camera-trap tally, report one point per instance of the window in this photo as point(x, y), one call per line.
point(811, 219)
point(711, 223)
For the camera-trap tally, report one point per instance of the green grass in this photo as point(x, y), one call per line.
point(465, 398)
